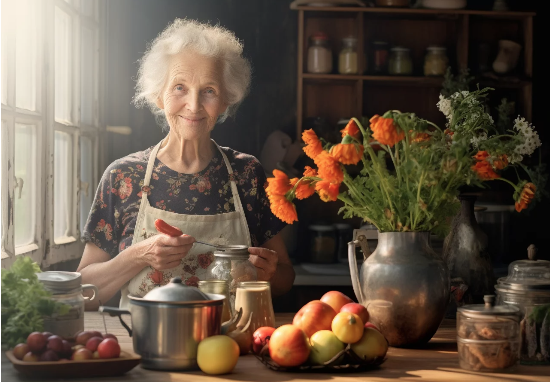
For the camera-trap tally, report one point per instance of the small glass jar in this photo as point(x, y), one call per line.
point(66, 288)
point(488, 336)
point(527, 286)
point(380, 55)
point(254, 297)
point(400, 62)
point(436, 61)
point(347, 59)
point(231, 265)
point(319, 54)
point(218, 287)
point(323, 243)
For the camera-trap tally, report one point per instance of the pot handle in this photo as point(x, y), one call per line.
point(116, 312)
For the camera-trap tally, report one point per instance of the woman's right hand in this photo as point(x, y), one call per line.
point(164, 252)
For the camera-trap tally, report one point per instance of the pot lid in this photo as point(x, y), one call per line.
point(527, 275)
point(59, 282)
point(489, 308)
point(175, 291)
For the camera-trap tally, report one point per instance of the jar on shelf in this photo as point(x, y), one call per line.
point(436, 61)
point(323, 243)
point(400, 62)
point(380, 55)
point(488, 336)
point(347, 59)
point(66, 288)
point(231, 264)
point(319, 54)
point(527, 286)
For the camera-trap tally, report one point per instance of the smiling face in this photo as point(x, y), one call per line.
point(193, 97)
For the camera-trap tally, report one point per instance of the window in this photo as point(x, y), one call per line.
point(51, 126)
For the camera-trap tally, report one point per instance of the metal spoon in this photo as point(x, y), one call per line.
point(211, 245)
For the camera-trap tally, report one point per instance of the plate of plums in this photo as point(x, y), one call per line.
point(89, 354)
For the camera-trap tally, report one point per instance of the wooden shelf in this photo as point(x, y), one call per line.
point(401, 80)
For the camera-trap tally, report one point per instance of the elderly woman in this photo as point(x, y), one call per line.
point(193, 76)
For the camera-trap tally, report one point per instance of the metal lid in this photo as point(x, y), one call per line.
point(59, 282)
point(527, 275)
point(321, 227)
point(489, 309)
point(176, 292)
point(399, 49)
point(233, 251)
point(436, 48)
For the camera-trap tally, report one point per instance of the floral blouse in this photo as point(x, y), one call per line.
point(114, 211)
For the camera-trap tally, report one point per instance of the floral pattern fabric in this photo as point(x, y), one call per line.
point(113, 215)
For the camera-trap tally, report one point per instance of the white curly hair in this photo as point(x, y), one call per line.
point(208, 40)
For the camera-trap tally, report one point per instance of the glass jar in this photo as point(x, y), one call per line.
point(322, 243)
point(231, 265)
point(488, 336)
point(380, 55)
point(66, 288)
point(436, 61)
point(347, 59)
point(527, 286)
point(400, 62)
point(319, 55)
point(254, 297)
point(218, 287)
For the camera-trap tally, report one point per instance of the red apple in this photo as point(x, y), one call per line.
point(36, 342)
point(55, 343)
point(314, 316)
point(358, 309)
point(289, 346)
point(82, 355)
point(20, 350)
point(95, 333)
point(108, 348)
point(83, 337)
point(336, 299)
point(109, 335)
point(93, 343)
point(30, 357)
point(371, 325)
point(260, 338)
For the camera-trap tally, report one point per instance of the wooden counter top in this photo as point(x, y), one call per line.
point(438, 362)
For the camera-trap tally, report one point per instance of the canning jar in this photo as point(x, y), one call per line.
point(66, 288)
point(254, 297)
point(436, 61)
point(218, 287)
point(347, 59)
point(231, 265)
point(527, 286)
point(380, 55)
point(319, 55)
point(322, 243)
point(400, 62)
point(488, 336)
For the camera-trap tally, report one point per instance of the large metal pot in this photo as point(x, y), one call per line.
point(169, 322)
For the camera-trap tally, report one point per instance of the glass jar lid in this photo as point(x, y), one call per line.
point(233, 251)
point(489, 309)
point(319, 36)
point(527, 275)
point(436, 48)
point(399, 49)
point(177, 292)
point(321, 228)
point(350, 40)
point(59, 282)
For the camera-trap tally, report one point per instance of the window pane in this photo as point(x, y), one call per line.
point(4, 53)
point(26, 58)
point(88, 7)
point(86, 179)
point(63, 181)
point(88, 83)
point(25, 193)
point(62, 66)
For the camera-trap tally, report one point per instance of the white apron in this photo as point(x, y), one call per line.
point(224, 229)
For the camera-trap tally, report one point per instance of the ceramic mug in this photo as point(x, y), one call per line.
point(507, 57)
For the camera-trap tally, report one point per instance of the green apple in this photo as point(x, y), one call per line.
point(324, 346)
point(372, 345)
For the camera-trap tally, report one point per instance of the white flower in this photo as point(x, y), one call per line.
point(444, 105)
point(515, 158)
point(529, 137)
point(476, 140)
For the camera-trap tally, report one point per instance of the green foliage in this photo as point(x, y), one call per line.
point(452, 84)
point(25, 302)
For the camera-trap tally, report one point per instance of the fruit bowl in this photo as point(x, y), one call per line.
point(344, 361)
point(76, 369)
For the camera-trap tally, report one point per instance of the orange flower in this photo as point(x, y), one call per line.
point(501, 162)
point(310, 171)
point(484, 170)
point(283, 209)
point(420, 137)
point(481, 155)
point(351, 129)
point(385, 130)
point(527, 194)
point(449, 132)
point(279, 185)
point(347, 153)
point(304, 189)
point(327, 191)
point(313, 145)
point(329, 168)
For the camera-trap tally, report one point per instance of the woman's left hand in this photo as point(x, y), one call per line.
point(265, 260)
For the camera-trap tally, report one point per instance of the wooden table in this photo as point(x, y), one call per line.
point(438, 362)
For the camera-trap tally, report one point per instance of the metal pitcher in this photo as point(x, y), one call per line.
point(404, 285)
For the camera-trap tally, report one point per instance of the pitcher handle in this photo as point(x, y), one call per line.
point(354, 272)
